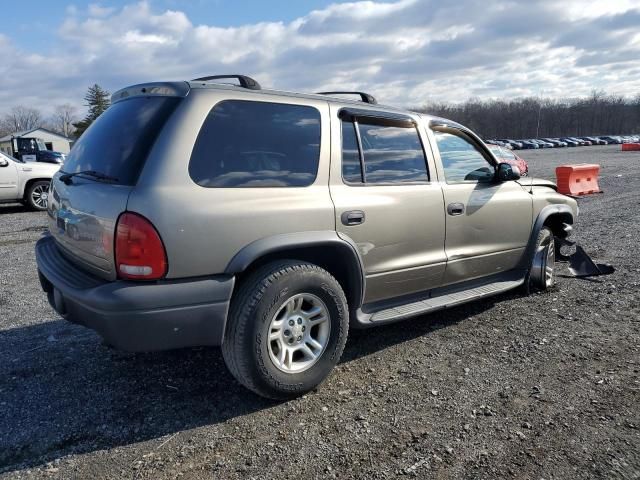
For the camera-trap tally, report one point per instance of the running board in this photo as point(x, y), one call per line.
point(433, 303)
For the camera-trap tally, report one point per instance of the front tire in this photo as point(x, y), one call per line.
point(37, 195)
point(542, 274)
point(287, 329)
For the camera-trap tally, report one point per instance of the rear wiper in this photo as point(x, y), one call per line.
point(66, 178)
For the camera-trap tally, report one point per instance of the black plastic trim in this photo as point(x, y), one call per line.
point(378, 116)
point(363, 316)
point(294, 241)
point(557, 209)
point(352, 217)
point(443, 122)
point(137, 316)
point(365, 97)
point(245, 81)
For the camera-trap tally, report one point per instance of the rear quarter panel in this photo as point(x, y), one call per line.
point(203, 228)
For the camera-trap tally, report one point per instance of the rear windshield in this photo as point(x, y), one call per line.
point(118, 142)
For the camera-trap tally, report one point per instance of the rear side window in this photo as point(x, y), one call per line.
point(351, 167)
point(257, 144)
point(390, 154)
point(118, 142)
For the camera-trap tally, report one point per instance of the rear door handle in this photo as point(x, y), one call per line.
point(352, 217)
point(455, 209)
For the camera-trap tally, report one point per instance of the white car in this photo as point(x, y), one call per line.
point(27, 183)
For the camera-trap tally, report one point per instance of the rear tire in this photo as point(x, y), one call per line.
point(542, 274)
point(37, 195)
point(287, 328)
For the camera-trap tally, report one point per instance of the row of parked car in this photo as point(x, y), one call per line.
point(532, 143)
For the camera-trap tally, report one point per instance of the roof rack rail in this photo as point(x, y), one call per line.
point(245, 82)
point(366, 98)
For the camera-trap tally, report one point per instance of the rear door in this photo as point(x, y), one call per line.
point(488, 223)
point(84, 210)
point(386, 202)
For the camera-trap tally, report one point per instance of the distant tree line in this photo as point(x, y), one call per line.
point(64, 119)
point(598, 114)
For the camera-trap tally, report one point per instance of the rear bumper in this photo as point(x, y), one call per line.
point(136, 316)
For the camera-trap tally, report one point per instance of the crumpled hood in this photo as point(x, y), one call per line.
point(537, 182)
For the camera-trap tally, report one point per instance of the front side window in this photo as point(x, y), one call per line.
point(390, 154)
point(257, 144)
point(461, 159)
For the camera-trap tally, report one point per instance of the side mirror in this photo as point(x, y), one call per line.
point(4, 162)
point(506, 172)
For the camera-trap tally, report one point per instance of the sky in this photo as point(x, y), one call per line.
point(404, 52)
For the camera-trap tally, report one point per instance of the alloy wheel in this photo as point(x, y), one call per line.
point(40, 196)
point(298, 333)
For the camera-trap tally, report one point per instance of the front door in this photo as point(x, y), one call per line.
point(386, 202)
point(487, 222)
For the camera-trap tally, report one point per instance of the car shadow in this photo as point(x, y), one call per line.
point(63, 392)
point(7, 208)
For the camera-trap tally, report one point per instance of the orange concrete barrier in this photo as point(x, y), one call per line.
point(580, 179)
point(627, 147)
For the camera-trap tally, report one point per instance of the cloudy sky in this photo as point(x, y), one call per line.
point(405, 52)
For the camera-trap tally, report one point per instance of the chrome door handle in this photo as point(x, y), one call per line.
point(455, 209)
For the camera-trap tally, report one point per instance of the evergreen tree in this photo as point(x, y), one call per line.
point(98, 101)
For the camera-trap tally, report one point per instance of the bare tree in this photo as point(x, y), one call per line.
point(21, 118)
point(63, 118)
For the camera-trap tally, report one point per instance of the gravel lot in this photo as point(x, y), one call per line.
point(545, 386)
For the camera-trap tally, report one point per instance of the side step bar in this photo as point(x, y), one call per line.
point(438, 302)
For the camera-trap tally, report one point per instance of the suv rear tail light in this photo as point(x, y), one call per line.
point(140, 254)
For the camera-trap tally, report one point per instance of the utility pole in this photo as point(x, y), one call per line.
point(540, 97)
point(539, 111)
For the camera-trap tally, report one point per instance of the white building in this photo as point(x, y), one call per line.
point(52, 140)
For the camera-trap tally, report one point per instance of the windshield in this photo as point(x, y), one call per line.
point(495, 150)
point(118, 142)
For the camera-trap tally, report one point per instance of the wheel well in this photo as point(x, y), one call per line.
point(30, 182)
point(333, 258)
point(555, 222)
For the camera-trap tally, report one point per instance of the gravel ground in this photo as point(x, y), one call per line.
point(545, 386)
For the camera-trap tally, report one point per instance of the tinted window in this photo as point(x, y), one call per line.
point(392, 154)
point(351, 168)
point(495, 150)
point(257, 144)
point(118, 142)
point(26, 145)
point(461, 160)
point(508, 154)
